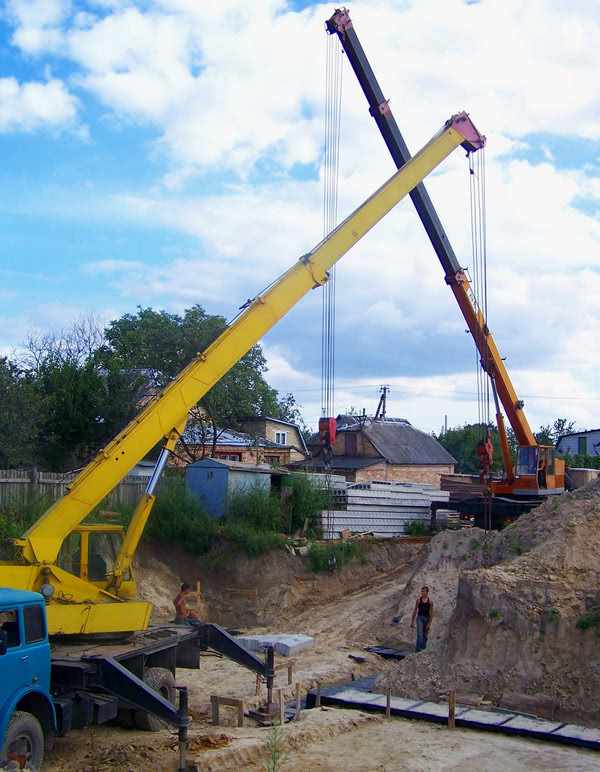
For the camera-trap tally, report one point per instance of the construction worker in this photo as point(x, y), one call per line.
point(423, 611)
point(183, 614)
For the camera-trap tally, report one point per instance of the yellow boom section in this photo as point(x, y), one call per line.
point(42, 541)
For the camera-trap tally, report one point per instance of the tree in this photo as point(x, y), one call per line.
point(289, 410)
point(20, 413)
point(461, 442)
point(165, 343)
point(551, 433)
point(83, 408)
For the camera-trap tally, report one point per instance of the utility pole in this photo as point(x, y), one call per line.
point(380, 414)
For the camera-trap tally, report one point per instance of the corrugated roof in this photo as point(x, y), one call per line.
point(400, 443)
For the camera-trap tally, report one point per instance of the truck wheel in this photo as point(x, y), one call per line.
point(24, 740)
point(162, 681)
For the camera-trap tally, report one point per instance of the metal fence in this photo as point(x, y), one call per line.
point(20, 488)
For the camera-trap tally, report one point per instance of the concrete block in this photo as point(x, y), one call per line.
point(289, 645)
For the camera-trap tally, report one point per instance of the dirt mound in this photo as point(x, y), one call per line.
point(284, 584)
point(529, 623)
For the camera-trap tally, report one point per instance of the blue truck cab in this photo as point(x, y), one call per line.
point(27, 713)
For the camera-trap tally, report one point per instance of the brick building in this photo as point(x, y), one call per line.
point(390, 449)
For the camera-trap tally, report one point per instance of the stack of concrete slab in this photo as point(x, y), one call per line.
point(381, 507)
point(286, 645)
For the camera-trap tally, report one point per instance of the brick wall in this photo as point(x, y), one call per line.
point(430, 473)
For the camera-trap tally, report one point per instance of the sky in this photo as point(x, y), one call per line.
point(165, 153)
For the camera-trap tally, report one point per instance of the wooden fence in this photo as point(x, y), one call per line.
point(19, 488)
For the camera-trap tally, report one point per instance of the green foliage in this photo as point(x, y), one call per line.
point(495, 613)
point(165, 343)
point(19, 416)
point(416, 528)
point(276, 751)
point(255, 506)
point(445, 545)
point(581, 461)
point(515, 544)
point(333, 556)
point(475, 544)
point(308, 499)
point(552, 614)
point(179, 517)
point(591, 619)
point(550, 434)
point(461, 442)
point(555, 504)
point(15, 519)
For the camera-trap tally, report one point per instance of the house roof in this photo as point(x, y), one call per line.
point(577, 434)
point(237, 466)
point(400, 443)
point(193, 436)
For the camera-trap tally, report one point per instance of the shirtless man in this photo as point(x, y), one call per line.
point(182, 612)
point(423, 611)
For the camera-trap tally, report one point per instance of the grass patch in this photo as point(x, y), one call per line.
point(552, 614)
point(515, 544)
point(475, 544)
point(592, 619)
point(416, 528)
point(331, 557)
point(495, 613)
point(445, 545)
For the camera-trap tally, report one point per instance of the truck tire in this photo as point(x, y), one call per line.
point(24, 735)
point(162, 681)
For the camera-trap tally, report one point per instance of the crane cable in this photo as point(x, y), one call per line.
point(479, 255)
point(333, 104)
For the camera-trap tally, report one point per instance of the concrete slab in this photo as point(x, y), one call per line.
point(290, 645)
point(432, 709)
point(484, 717)
point(580, 735)
point(531, 724)
point(286, 645)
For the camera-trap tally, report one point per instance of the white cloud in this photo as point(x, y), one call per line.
point(33, 105)
point(233, 89)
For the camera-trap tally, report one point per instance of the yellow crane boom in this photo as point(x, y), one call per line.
point(78, 604)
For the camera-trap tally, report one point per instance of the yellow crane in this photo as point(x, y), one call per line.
point(84, 571)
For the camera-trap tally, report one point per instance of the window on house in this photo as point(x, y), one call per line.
point(582, 445)
point(230, 456)
point(350, 443)
point(281, 438)
point(272, 460)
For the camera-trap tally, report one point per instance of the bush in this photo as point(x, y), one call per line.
point(308, 500)
point(589, 620)
point(328, 557)
point(416, 528)
point(255, 506)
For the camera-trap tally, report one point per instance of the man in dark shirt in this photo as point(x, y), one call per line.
point(182, 612)
point(423, 611)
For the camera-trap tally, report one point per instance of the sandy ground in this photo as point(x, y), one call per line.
point(327, 739)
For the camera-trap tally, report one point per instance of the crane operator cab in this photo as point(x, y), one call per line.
point(537, 470)
point(90, 551)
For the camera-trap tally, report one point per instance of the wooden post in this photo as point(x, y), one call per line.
point(388, 702)
point(297, 702)
point(241, 713)
point(257, 685)
point(451, 708)
point(281, 708)
point(318, 697)
point(290, 673)
point(214, 700)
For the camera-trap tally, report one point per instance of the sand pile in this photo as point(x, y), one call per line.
point(529, 623)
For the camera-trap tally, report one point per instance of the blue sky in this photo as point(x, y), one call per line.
point(162, 153)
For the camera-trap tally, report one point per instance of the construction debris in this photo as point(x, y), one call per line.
point(286, 645)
